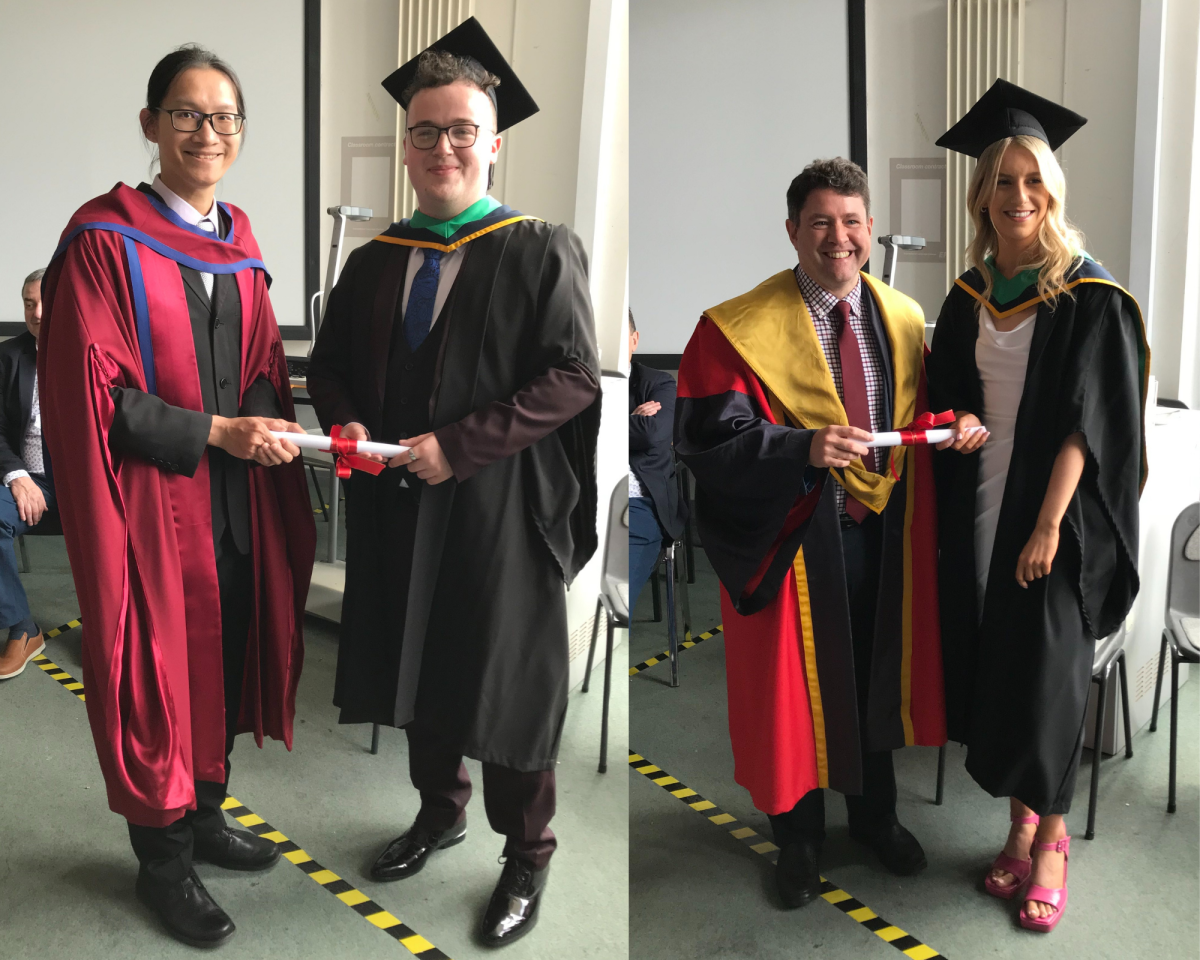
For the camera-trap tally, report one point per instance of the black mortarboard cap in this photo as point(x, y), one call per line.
point(469, 39)
point(1007, 110)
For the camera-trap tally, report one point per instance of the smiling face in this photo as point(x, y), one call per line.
point(193, 163)
point(832, 238)
point(1018, 206)
point(31, 297)
point(449, 179)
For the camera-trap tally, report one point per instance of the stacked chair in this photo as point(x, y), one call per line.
point(613, 600)
point(1182, 632)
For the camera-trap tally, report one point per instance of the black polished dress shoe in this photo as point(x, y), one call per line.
point(406, 855)
point(513, 909)
point(893, 844)
point(235, 850)
point(797, 875)
point(186, 909)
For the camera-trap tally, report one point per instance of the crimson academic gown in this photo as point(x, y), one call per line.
point(139, 536)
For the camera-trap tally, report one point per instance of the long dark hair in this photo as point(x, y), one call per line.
point(176, 62)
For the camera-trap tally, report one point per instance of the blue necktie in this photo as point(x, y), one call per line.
point(418, 315)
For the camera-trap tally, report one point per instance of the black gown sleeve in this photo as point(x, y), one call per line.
point(505, 427)
point(1105, 405)
point(174, 437)
point(750, 473)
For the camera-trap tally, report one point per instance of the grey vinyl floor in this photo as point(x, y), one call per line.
point(696, 892)
point(67, 872)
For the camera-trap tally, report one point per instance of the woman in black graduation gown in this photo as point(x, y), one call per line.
point(1038, 521)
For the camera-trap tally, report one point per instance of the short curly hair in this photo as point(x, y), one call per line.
point(838, 174)
point(437, 68)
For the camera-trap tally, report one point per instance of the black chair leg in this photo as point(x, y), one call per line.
point(688, 542)
point(1174, 727)
point(320, 495)
point(941, 776)
point(1162, 657)
point(1124, 678)
point(374, 739)
point(587, 671)
point(672, 638)
point(1097, 752)
point(608, 657)
point(656, 595)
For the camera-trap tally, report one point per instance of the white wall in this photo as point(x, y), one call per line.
point(358, 49)
point(729, 102)
point(1083, 55)
point(906, 113)
point(1174, 321)
point(74, 76)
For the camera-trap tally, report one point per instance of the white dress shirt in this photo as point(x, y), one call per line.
point(185, 211)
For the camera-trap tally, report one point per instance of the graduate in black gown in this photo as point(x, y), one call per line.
point(1038, 514)
point(465, 333)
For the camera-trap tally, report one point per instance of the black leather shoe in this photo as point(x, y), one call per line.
point(406, 855)
point(235, 850)
point(186, 909)
point(513, 909)
point(797, 875)
point(893, 844)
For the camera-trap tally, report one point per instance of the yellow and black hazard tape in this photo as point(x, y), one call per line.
point(907, 944)
point(355, 899)
point(59, 631)
point(686, 644)
point(52, 669)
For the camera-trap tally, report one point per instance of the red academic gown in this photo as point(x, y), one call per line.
point(753, 385)
point(139, 537)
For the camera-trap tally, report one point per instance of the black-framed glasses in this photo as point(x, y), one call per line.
point(189, 121)
point(424, 136)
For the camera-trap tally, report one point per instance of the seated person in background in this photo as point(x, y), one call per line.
point(655, 512)
point(28, 493)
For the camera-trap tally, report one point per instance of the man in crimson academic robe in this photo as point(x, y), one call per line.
point(826, 556)
point(466, 334)
point(188, 526)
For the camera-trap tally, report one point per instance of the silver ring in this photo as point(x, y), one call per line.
point(412, 455)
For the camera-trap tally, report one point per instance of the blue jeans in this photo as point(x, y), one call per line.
point(645, 543)
point(13, 606)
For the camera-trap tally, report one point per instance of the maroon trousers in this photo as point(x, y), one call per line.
point(519, 805)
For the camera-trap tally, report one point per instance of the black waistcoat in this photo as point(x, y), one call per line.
point(408, 387)
point(217, 335)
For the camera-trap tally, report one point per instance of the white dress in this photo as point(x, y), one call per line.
point(1001, 358)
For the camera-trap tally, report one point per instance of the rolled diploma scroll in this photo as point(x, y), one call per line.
point(913, 437)
point(386, 450)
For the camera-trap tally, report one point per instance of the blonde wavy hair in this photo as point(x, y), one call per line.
point(1059, 242)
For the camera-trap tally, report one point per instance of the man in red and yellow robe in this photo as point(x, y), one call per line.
point(832, 644)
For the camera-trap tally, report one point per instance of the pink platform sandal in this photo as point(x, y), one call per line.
point(1057, 898)
point(1018, 868)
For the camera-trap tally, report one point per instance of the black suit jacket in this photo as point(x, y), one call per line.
point(176, 438)
point(18, 370)
point(651, 456)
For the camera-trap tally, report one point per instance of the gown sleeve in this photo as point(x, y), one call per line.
point(751, 472)
point(1104, 402)
point(505, 427)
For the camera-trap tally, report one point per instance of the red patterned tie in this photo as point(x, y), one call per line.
point(854, 394)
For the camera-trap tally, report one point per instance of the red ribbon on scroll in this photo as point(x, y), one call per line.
point(914, 433)
point(346, 452)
